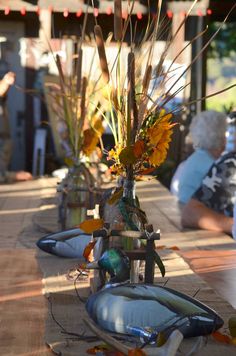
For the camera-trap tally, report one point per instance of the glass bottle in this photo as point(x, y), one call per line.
point(130, 218)
point(131, 222)
point(121, 218)
point(77, 197)
point(61, 197)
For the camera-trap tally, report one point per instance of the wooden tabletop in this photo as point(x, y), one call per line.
point(23, 308)
point(212, 255)
point(28, 211)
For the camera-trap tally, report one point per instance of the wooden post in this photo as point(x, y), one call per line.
point(198, 71)
point(196, 24)
point(178, 43)
point(45, 27)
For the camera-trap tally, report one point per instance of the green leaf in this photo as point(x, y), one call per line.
point(115, 196)
point(127, 156)
point(159, 263)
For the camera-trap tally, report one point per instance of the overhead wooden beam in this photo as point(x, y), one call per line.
point(71, 5)
point(184, 6)
point(45, 19)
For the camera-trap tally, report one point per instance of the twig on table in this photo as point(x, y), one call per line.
point(82, 337)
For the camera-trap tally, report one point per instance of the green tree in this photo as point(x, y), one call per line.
point(224, 44)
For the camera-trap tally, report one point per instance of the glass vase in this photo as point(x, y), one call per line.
point(131, 222)
point(120, 217)
point(77, 196)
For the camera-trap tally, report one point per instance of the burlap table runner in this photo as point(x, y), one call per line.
point(66, 312)
point(66, 309)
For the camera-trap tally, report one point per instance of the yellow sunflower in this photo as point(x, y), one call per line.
point(159, 137)
point(158, 156)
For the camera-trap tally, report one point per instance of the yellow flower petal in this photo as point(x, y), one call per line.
point(158, 156)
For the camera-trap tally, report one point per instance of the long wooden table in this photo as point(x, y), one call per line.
point(210, 254)
point(28, 211)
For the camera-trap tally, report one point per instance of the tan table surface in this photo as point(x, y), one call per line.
point(28, 211)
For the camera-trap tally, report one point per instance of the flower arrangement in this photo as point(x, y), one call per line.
point(141, 127)
point(140, 121)
point(139, 118)
point(149, 149)
point(73, 102)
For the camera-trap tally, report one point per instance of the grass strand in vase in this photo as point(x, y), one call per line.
point(75, 106)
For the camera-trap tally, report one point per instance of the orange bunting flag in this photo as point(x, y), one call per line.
point(88, 251)
point(91, 225)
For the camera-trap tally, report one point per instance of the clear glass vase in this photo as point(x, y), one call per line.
point(77, 196)
point(120, 217)
point(131, 222)
point(130, 218)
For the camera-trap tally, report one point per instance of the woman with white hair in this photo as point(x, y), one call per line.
point(207, 131)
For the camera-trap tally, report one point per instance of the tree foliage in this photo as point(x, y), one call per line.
point(224, 44)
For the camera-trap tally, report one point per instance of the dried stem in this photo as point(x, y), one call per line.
point(106, 337)
point(82, 116)
point(61, 75)
point(67, 109)
point(130, 97)
point(201, 51)
point(211, 95)
point(79, 70)
point(101, 53)
point(83, 99)
point(144, 98)
point(147, 78)
point(118, 23)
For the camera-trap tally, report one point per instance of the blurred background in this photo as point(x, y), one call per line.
point(32, 32)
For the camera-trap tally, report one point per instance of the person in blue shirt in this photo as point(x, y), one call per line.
point(207, 132)
point(213, 205)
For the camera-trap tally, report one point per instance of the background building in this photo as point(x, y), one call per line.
point(27, 28)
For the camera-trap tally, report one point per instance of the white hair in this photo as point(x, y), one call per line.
point(207, 130)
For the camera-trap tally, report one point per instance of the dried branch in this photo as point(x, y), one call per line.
point(79, 70)
point(118, 23)
point(107, 338)
point(102, 53)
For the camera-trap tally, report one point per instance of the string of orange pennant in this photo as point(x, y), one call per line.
point(109, 11)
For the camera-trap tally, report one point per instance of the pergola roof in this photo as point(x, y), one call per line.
point(70, 5)
point(219, 8)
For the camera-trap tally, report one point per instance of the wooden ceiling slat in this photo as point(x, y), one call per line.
point(60, 5)
point(219, 8)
